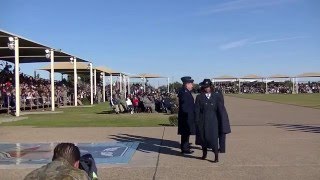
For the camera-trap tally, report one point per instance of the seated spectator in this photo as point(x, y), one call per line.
point(64, 165)
point(148, 104)
point(115, 104)
point(129, 105)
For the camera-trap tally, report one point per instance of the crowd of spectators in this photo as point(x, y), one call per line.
point(227, 87)
point(256, 87)
point(279, 88)
point(151, 100)
point(310, 87)
point(35, 91)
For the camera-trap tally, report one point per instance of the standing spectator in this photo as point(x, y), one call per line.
point(135, 103)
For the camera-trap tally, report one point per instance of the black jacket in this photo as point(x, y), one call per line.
point(211, 118)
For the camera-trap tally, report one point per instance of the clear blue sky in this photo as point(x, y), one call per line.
point(203, 38)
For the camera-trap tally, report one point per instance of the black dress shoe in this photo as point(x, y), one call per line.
point(204, 156)
point(216, 161)
point(187, 152)
point(216, 158)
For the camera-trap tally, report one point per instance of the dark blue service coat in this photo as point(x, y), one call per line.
point(186, 121)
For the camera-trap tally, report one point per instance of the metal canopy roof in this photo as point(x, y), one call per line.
point(225, 77)
point(67, 67)
point(251, 76)
point(145, 75)
point(29, 51)
point(82, 68)
point(310, 74)
point(108, 71)
point(278, 76)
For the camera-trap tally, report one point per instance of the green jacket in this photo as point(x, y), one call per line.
point(57, 169)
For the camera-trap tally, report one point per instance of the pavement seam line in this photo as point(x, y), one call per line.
point(158, 158)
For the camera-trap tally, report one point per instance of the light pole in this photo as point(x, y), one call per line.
point(91, 83)
point(75, 79)
point(50, 55)
point(14, 45)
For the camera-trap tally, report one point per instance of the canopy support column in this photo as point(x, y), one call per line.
point(52, 80)
point(296, 85)
point(168, 85)
point(129, 88)
point(144, 84)
point(125, 86)
point(17, 74)
point(120, 81)
point(104, 87)
point(266, 86)
point(95, 82)
point(91, 84)
point(75, 77)
point(111, 87)
point(239, 86)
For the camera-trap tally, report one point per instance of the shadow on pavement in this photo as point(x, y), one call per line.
point(148, 144)
point(298, 127)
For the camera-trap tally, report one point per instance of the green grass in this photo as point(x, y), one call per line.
point(305, 100)
point(96, 116)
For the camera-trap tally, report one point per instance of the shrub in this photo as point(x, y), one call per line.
point(173, 120)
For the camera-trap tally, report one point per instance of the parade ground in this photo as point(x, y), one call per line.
point(269, 141)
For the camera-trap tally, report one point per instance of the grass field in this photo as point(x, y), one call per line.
point(306, 100)
point(97, 116)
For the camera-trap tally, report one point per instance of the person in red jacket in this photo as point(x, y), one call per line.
point(135, 103)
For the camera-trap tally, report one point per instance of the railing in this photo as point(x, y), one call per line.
point(34, 103)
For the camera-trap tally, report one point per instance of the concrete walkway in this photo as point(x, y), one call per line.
point(268, 141)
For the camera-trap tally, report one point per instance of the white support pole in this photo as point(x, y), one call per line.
point(292, 88)
point(17, 74)
point(111, 87)
point(52, 80)
point(129, 88)
point(120, 81)
point(239, 86)
point(95, 82)
point(266, 85)
point(104, 87)
point(75, 76)
point(296, 85)
point(144, 84)
point(168, 85)
point(125, 86)
point(91, 84)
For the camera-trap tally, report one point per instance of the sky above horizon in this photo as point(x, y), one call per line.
point(203, 38)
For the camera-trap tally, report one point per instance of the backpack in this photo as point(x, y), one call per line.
point(88, 164)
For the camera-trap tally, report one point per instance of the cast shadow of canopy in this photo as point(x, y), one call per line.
point(298, 127)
